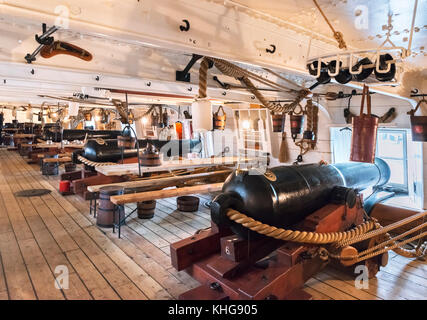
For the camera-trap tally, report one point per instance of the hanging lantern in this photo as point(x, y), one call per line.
point(73, 109)
point(131, 118)
point(88, 116)
point(29, 114)
point(201, 110)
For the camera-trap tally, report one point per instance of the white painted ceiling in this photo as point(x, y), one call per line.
point(344, 16)
point(117, 57)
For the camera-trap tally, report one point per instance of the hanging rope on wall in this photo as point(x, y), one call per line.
point(245, 76)
point(337, 35)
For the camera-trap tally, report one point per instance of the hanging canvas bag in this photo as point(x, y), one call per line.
point(364, 137)
point(418, 124)
point(219, 121)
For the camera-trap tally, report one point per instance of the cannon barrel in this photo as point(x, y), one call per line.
point(107, 150)
point(293, 192)
point(52, 132)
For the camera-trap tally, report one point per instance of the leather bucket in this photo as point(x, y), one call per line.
point(418, 124)
point(219, 121)
point(278, 122)
point(146, 209)
point(364, 137)
point(187, 203)
point(297, 125)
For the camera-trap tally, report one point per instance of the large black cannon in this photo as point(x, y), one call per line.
point(288, 194)
point(107, 150)
point(53, 132)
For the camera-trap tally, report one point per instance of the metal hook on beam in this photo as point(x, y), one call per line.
point(184, 75)
point(223, 85)
point(273, 50)
point(43, 40)
point(186, 27)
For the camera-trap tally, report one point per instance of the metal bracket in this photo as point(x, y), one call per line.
point(184, 75)
point(223, 85)
point(43, 40)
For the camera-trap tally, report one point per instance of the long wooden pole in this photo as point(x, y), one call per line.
point(168, 193)
point(160, 181)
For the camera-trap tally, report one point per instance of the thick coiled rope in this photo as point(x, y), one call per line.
point(298, 236)
point(203, 77)
point(237, 72)
point(359, 233)
point(389, 243)
point(245, 77)
point(93, 163)
point(382, 230)
point(275, 108)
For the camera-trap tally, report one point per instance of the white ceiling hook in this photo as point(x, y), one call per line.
point(350, 69)
point(377, 64)
point(337, 66)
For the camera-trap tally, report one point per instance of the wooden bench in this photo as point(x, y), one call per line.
point(168, 193)
point(57, 160)
point(161, 181)
point(121, 200)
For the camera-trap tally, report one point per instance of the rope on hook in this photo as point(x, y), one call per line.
point(337, 35)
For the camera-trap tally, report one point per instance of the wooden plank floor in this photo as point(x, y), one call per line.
point(38, 234)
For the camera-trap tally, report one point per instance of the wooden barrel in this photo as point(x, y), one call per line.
point(188, 203)
point(105, 217)
point(50, 169)
point(146, 209)
point(278, 122)
point(70, 167)
point(219, 120)
point(7, 140)
point(150, 160)
point(126, 142)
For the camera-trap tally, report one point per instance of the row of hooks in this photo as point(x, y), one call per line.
point(384, 68)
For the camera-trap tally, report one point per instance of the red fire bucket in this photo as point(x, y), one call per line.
point(64, 186)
